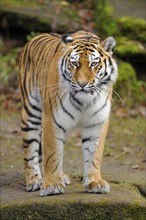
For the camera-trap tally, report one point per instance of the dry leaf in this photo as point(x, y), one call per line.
point(142, 111)
point(121, 112)
point(126, 150)
point(135, 167)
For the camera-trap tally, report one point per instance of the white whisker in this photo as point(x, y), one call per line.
point(119, 97)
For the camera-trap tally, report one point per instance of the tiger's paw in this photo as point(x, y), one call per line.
point(52, 188)
point(34, 184)
point(100, 186)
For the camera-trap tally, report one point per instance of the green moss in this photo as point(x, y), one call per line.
point(9, 68)
point(71, 211)
point(128, 86)
point(132, 28)
point(126, 72)
point(17, 3)
point(128, 48)
point(104, 22)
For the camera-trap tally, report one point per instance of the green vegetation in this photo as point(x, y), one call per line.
point(128, 86)
point(128, 48)
point(9, 68)
point(18, 3)
point(31, 35)
point(132, 28)
point(104, 22)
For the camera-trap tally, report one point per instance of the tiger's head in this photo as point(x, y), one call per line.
point(87, 65)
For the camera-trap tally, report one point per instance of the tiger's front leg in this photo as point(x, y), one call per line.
point(93, 139)
point(54, 180)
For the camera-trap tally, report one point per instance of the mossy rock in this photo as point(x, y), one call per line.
point(123, 202)
point(132, 28)
point(126, 72)
point(34, 16)
point(130, 49)
point(72, 211)
point(128, 86)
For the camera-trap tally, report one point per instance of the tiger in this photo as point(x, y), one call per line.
point(65, 81)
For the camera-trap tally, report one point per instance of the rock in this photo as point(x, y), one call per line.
point(38, 17)
point(123, 202)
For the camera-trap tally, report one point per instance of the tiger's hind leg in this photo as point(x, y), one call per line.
point(31, 134)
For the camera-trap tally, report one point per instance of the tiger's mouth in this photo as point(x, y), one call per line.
point(86, 91)
point(83, 87)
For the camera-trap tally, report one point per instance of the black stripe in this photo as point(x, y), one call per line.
point(41, 46)
point(92, 45)
point(23, 122)
point(22, 90)
point(50, 158)
point(25, 146)
point(31, 158)
point(35, 107)
point(94, 165)
point(91, 50)
point(64, 73)
point(57, 47)
point(65, 110)
point(57, 124)
point(76, 100)
point(34, 122)
point(40, 149)
point(100, 53)
point(93, 125)
point(36, 43)
point(56, 167)
point(30, 141)
point(87, 149)
point(105, 81)
point(91, 138)
point(64, 76)
point(60, 139)
point(86, 161)
point(101, 108)
point(110, 62)
point(30, 114)
point(27, 129)
point(74, 104)
point(105, 62)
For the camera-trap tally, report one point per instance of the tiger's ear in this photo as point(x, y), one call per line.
point(109, 44)
point(66, 38)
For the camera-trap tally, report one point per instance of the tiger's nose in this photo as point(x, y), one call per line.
point(82, 85)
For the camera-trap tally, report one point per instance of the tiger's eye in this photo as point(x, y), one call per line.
point(74, 63)
point(94, 63)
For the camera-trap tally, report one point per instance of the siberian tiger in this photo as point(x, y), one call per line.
point(65, 80)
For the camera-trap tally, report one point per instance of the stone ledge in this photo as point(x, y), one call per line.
point(123, 202)
point(36, 17)
point(72, 211)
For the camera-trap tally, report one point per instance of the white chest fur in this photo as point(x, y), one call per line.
point(91, 111)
